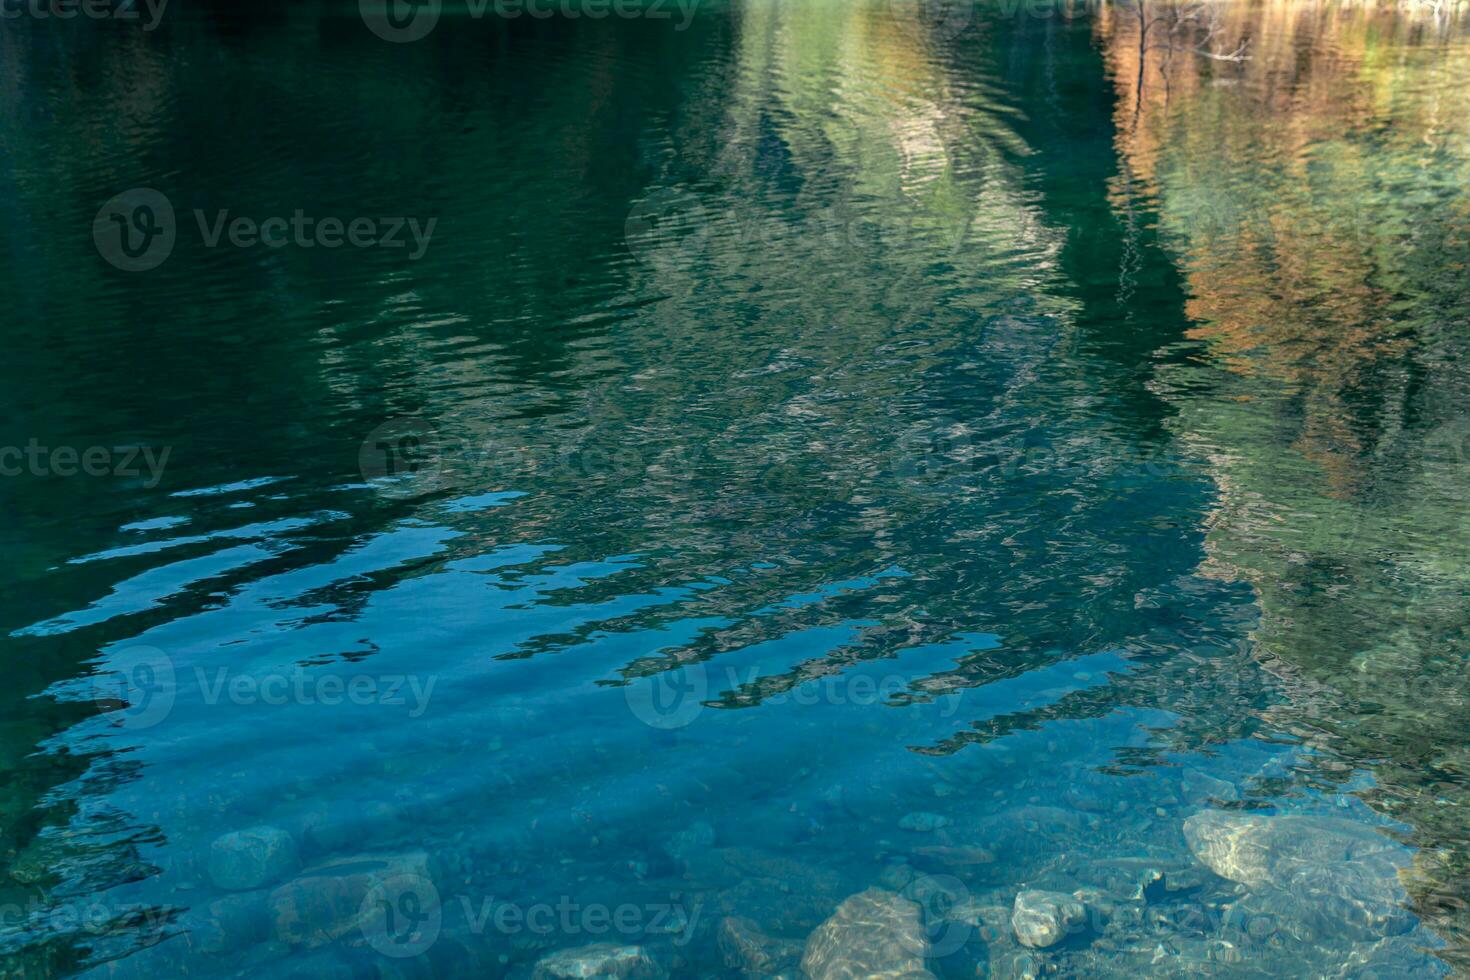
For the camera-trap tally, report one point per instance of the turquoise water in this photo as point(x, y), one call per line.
point(740, 461)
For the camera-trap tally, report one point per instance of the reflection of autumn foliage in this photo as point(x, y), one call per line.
point(1317, 200)
point(1293, 186)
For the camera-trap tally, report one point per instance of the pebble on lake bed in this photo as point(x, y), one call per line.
point(252, 858)
point(1043, 919)
point(746, 947)
point(599, 960)
point(329, 900)
point(232, 922)
point(874, 933)
point(1201, 787)
point(923, 823)
point(687, 844)
point(1336, 873)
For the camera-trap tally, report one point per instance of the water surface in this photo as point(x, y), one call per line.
point(816, 448)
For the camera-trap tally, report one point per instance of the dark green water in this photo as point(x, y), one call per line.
point(739, 461)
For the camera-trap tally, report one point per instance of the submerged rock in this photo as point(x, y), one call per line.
point(1201, 787)
point(873, 934)
point(329, 900)
point(1010, 964)
point(598, 960)
point(687, 844)
point(1336, 871)
point(746, 948)
point(1043, 919)
point(923, 823)
point(792, 912)
point(1031, 837)
point(252, 858)
point(952, 857)
point(233, 922)
point(896, 875)
point(338, 829)
point(935, 893)
point(754, 863)
point(1260, 850)
point(34, 864)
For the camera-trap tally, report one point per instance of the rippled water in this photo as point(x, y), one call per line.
point(806, 447)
